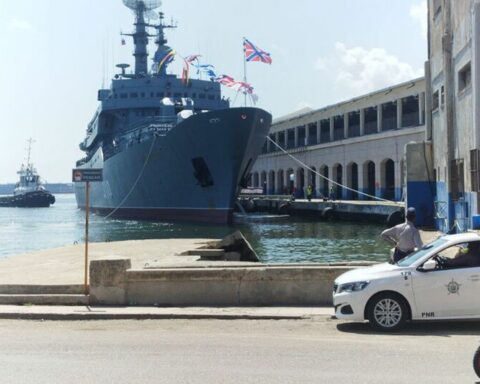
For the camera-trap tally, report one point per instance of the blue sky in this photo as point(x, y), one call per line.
point(55, 54)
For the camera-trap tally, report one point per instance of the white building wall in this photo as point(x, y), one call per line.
point(378, 146)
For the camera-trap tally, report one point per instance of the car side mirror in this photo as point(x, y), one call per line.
point(430, 265)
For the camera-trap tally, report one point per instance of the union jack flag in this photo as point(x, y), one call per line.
point(253, 53)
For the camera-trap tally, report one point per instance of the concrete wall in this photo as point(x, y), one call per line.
point(233, 286)
point(420, 182)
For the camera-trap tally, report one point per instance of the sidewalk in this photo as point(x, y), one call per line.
point(142, 313)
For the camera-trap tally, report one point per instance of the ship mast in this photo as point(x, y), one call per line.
point(162, 47)
point(30, 142)
point(140, 37)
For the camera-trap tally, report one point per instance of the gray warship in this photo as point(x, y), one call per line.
point(169, 149)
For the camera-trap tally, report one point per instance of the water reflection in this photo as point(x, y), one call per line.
point(23, 230)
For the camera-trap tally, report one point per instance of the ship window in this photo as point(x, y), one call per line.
point(123, 95)
point(152, 94)
point(201, 96)
point(201, 172)
point(211, 97)
point(194, 95)
point(142, 94)
point(177, 95)
point(133, 95)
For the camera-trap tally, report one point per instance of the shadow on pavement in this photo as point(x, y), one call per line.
point(437, 328)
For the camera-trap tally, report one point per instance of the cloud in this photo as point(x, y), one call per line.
point(358, 70)
point(19, 24)
point(419, 13)
point(303, 105)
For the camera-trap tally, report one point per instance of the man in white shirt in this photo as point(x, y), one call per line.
point(404, 237)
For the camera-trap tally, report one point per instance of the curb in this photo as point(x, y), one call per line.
point(106, 316)
point(85, 312)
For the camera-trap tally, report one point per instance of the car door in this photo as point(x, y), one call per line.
point(447, 293)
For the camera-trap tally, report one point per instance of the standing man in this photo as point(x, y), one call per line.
point(309, 193)
point(404, 237)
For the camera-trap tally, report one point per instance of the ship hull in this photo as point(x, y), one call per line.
point(193, 173)
point(38, 199)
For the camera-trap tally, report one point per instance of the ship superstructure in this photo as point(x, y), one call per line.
point(170, 148)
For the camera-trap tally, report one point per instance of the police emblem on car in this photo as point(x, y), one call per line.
point(453, 288)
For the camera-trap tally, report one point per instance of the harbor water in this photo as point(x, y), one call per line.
point(289, 240)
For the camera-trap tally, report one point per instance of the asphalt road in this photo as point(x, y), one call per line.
point(242, 351)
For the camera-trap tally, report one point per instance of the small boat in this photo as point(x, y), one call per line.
point(29, 192)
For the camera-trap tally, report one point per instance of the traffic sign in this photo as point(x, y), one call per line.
point(87, 175)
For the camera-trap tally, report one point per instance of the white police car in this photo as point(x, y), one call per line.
point(419, 287)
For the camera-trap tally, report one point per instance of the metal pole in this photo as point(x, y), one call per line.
point(244, 71)
point(87, 209)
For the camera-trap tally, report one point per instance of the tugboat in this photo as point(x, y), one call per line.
point(170, 149)
point(29, 192)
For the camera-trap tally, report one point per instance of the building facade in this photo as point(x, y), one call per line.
point(359, 143)
point(453, 82)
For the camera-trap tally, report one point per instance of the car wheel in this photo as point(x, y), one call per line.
point(476, 362)
point(387, 312)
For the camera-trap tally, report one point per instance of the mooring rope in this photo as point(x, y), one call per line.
point(326, 178)
point(136, 181)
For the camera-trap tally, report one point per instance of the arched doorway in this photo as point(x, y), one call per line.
point(263, 182)
point(312, 179)
point(388, 179)
point(300, 177)
point(281, 183)
point(338, 178)
point(324, 184)
point(290, 180)
point(352, 180)
point(369, 178)
point(271, 183)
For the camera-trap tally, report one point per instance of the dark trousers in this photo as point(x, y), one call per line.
point(399, 255)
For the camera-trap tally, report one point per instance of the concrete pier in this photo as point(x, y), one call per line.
point(373, 211)
point(164, 273)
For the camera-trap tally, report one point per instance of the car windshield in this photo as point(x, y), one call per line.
point(412, 258)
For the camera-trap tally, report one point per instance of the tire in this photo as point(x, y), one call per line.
point(476, 362)
point(328, 213)
point(387, 312)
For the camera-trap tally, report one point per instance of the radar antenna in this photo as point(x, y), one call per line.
point(142, 9)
